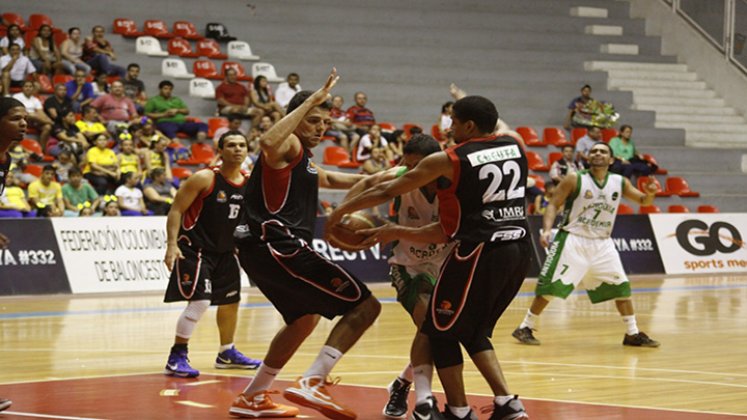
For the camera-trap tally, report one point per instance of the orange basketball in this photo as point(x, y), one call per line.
point(343, 235)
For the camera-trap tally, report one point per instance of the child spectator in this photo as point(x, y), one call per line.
point(78, 194)
point(62, 166)
point(111, 206)
point(129, 161)
point(370, 141)
point(159, 193)
point(45, 194)
point(100, 85)
point(157, 157)
point(542, 200)
point(130, 197)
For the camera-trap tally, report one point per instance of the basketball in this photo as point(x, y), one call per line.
point(343, 235)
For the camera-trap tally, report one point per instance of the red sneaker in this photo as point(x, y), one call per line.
point(312, 392)
point(259, 404)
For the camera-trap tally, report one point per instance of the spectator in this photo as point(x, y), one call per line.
point(263, 99)
point(286, 90)
point(129, 161)
point(444, 123)
point(115, 108)
point(13, 36)
point(35, 110)
point(169, 112)
point(89, 124)
point(99, 54)
point(159, 194)
point(543, 199)
point(79, 91)
point(45, 194)
point(68, 138)
point(377, 163)
point(44, 53)
point(62, 166)
point(361, 117)
point(134, 88)
point(85, 210)
point(585, 143)
point(370, 141)
point(111, 206)
point(234, 98)
point(265, 123)
point(584, 111)
point(15, 68)
point(628, 162)
point(78, 194)
point(563, 166)
point(19, 159)
point(130, 197)
point(396, 145)
point(341, 128)
point(158, 158)
point(71, 50)
point(101, 85)
point(58, 105)
point(13, 201)
point(234, 124)
point(102, 166)
point(577, 105)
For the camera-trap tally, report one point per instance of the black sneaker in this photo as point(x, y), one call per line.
point(396, 407)
point(448, 415)
point(513, 409)
point(640, 340)
point(525, 336)
point(427, 410)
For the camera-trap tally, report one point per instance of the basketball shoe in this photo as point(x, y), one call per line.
point(640, 340)
point(427, 410)
point(511, 410)
point(233, 359)
point(396, 407)
point(259, 404)
point(312, 392)
point(178, 365)
point(525, 336)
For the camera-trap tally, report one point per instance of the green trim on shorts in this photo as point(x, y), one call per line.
point(607, 291)
point(545, 284)
point(409, 288)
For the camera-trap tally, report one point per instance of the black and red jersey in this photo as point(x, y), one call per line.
point(281, 204)
point(485, 202)
point(210, 220)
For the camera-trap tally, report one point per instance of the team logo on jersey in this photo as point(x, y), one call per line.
point(588, 195)
point(222, 197)
point(237, 197)
point(186, 281)
point(444, 308)
point(311, 167)
point(615, 196)
point(338, 284)
point(412, 214)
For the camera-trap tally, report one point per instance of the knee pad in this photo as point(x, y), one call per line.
point(446, 352)
point(477, 345)
point(188, 319)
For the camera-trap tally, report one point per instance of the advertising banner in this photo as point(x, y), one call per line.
point(369, 265)
point(701, 243)
point(32, 263)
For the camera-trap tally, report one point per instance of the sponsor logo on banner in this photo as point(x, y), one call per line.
point(367, 265)
point(702, 243)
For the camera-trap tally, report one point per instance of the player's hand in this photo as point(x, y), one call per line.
point(322, 95)
point(379, 235)
point(545, 237)
point(651, 188)
point(334, 218)
point(173, 253)
point(4, 241)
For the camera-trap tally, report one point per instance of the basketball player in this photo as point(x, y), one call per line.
point(200, 253)
point(13, 126)
point(583, 249)
point(482, 205)
point(281, 203)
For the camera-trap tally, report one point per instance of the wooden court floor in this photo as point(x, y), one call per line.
point(91, 349)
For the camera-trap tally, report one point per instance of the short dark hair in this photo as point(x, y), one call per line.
point(74, 28)
point(293, 74)
point(421, 144)
point(446, 106)
point(48, 168)
point(126, 176)
point(8, 103)
point(165, 83)
point(86, 109)
point(477, 109)
point(612, 153)
point(567, 146)
point(231, 133)
point(74, 171)
point(234, 117)
point(156, 172)
point(623, 127)
point(301, 97)
point(586, 87)
point(131, 65)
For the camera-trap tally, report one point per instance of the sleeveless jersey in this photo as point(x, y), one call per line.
point(414, 210)
point(281, 203)
point(128, 163)
point(486, 199)
point(156, 159)
point(211, 219)
point(592, 208)
point(4, 169)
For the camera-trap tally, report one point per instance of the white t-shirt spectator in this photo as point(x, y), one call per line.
point(365, 145)
point(32, 104)
point(285, 93)
point(5, 42)
point(20, 69)
point(130, 197)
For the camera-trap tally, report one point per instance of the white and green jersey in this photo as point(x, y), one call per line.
point(591, 209)
point(414, 209)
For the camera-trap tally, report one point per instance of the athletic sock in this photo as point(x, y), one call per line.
point(262, 380)
point(225, 347)
point(460, 412)
point(529, 320)
point(630, 322)
point(325, 361)
point(422, 377)
point(407, 373)
point(502, 400)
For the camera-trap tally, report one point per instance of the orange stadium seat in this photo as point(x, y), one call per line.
point(206, 69)
point(652, 159)
point(577, 133)
point(127, 28)
point(28, 37)
point(608, 134)
point(15, 19)
point(35, 170)
point(202, 154)
point(707, 208)
point(61, 78)
point(181, 47)
point(214, 124)
point(649, 209)
point(407, 128)
point(157, 28)
point(678, 208)
point(45, 84)
point(240, 72)
point(436, 132)
point(387, 126)
point(59, 38)
point(625, 209)
point(553, 157)
point(643, 180)
point(677, 185)
point(211, 49)
point(186, 30)
point(535, 162)
point(32, 146)
point(37, 20)
point(335, 155)
point(180, 173)
point(555, 136)
point(530, 137)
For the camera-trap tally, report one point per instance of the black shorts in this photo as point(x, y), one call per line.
point(204, 275)
point(476, 285)
point(299, 281)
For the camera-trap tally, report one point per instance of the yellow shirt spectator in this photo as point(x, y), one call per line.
point(105, 157)
point(45, 194)
point(88, 128)
point(128, 163)
point(15, 198)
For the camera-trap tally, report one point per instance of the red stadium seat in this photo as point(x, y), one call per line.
point(61, 78)
point(436, 132)
point(181, 47)
point(644, 180)
point(555, 136)
point(186, 30)
point(127, 28)
point(37, 20)
point(608, 134)
point(335, 155)
point(386, 126)
point(554, 157)
point(707, 208)
point(211, 49)
point(577, 133)
point(15, 19)
point(32, 146)
point(677, 185)
point(407, 128)
point(625, 209)
point(530, 137)
point(35, 170)
point(214, 124)
point(649, 209)
point(28, 37)
point(535, 162)
point(677, 208)
point(157, 28)
point(59, 38)
point(240, 72)
point(652, 159)
point(45, 84)
point(206, 69)
point(202, 154)
point(180, 173)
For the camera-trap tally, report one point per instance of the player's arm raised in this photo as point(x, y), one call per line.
point(634, 194)
point(564, 190)
point(188, 192)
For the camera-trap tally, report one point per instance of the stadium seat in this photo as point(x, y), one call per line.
point(241, 50)
point(28, 37)
point(32, 146)
point(677, 185)
point(539, 181)
point(218, 32)
point(652, 159)
point(180, 173)
point(202, 154)
point(334, 155)
point(175, 67)
point(35, 170)
point(240, 72)
point(127, 28)
point(555, 136)
point(553, 157)
point(436, 132)
point(644, 180)
point(649, 209)
point(625, 209)
point(147, 45)
point(206, 69)
point(267, 70)
point(61, 78)
point(214, 124)
point(186, 30)
point(180, 47)
point(535, 162)
point(211, 49)
point(530, 137)
point(201, 88)
point(157, 28)
point(45, 84)
point(387, 126)
point(707, 208)
point(59, 38)
point(15, 19)
point(608, 134)
point(677, 208)
point(577, 133)
point(407, 128)
point(36, 21)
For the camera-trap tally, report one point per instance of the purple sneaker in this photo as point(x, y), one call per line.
point(178, 365)
point(233, 359)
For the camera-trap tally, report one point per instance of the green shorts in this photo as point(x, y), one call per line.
point(409, 286)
